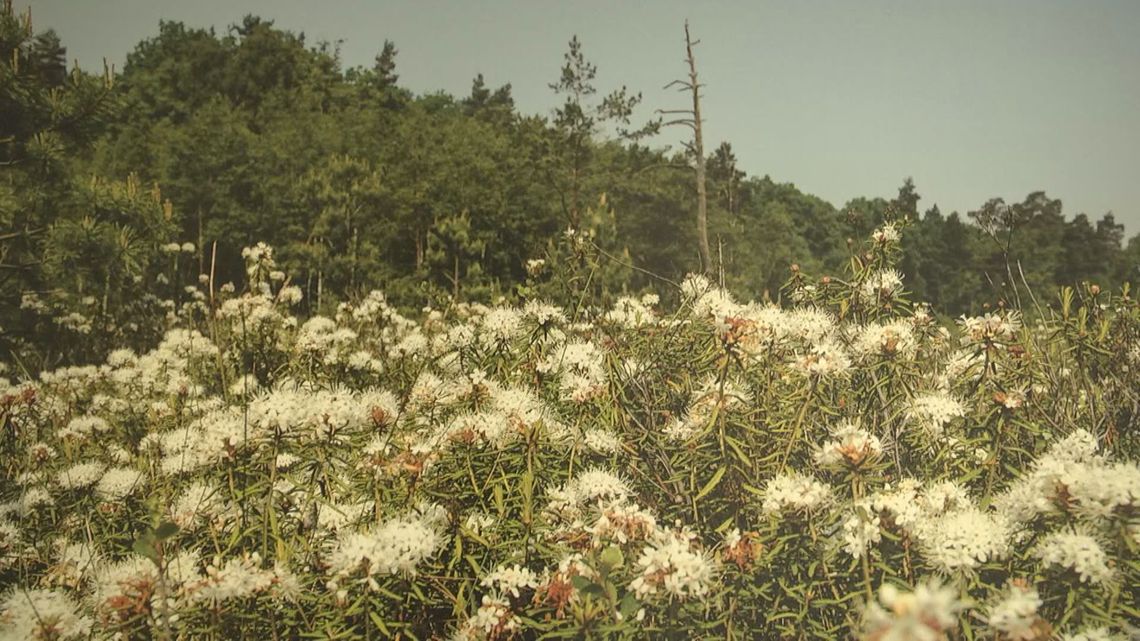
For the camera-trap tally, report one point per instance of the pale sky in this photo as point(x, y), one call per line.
point(973, 99)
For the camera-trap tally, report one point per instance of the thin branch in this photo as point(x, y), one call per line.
point(16, 267)
point(1032, 296)
point(17, 234)
point(662, 165)
point(632, 266)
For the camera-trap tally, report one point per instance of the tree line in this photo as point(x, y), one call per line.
point(212, 142)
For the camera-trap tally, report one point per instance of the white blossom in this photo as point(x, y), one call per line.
point(510, 579)
point(795, 493)
point(1077, 552)
point(671, 565)
point(1014, 616)
point(926, 614)
point(42, 614)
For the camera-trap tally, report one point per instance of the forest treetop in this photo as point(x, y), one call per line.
point(222, 140)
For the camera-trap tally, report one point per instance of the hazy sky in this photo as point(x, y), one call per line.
point(972, 99)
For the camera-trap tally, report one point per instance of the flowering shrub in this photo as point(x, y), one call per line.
point(847, 466)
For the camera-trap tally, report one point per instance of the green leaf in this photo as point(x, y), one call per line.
point(736, 448)
point(612, 557)
point(380, 623)
point(165, 530)
point(594, 589)
point(500, 501)
point(752, 489)
point(145, 546)
point(580, 582)
point(629, 605)
point(712, 483)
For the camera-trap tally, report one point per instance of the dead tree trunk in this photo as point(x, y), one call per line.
point(696, 147)
point(699, 150)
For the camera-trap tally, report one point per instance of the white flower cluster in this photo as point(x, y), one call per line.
point(199, 504)
point(622, 522)
point(990, 329)
point(591, 486)
point(601, 441)
point(933, 411)
point(506, 417)
point(594, 509)
point(1077, 552)
point(500, 326)
point(826, 359)
point(795, 494)
point(887, 234)
point(1014, 615)
point(130, 586)
point(850, 446)
point(881, 286)
point(1072, 478)
point(705, 299)
point(241, 578)
point(174, 248)
point(118, 483)
point(952, 533)
point(632, 312)
point(493, 620)
point(510, 580)
point(712, 398)
point(926, 614)
point(398, 545)
point(962, 539)
point(319, 415)
point(42, 614)
point(580, 369)
point(321, 340)
point(544, 315)
point(80, 475)
point(893, 339)
point(671, 565)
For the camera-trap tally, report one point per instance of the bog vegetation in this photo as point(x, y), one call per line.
point(713, 470)
point(421, 410)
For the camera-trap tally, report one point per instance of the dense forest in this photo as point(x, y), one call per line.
point(119, 188)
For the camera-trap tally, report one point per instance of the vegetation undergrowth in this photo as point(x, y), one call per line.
point(845, 466)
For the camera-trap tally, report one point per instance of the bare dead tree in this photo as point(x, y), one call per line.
point(691, 118)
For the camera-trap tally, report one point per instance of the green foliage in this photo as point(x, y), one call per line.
point(711, 469)
point(255, 135)
point(74, 251)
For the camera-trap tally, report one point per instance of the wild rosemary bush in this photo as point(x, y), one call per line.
point(844, 467)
